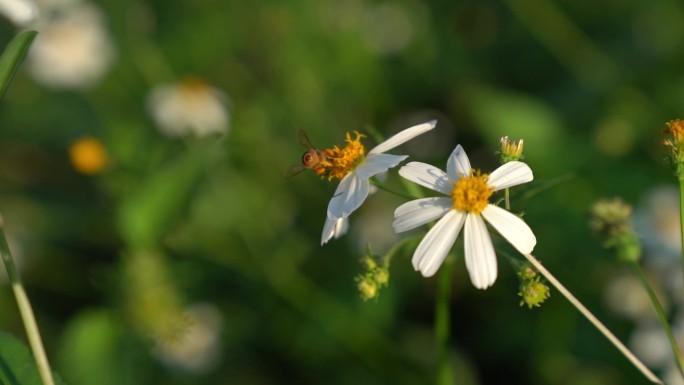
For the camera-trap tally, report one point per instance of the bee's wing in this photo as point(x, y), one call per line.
point(304, 139)
point(294, 170)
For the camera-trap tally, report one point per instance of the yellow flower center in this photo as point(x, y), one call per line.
point(471, 193)
point(341, 161)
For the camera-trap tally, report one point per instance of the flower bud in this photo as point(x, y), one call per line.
point(610, 219)
point(674, 139)
point(511, 149)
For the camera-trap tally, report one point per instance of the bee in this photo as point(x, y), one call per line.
point(311, 160)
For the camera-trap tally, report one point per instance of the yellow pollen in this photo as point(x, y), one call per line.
point(471, 193)
point(341, 161)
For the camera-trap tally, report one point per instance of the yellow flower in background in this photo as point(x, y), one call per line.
point(88, 156)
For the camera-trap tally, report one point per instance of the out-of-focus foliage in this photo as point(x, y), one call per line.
point(187, 258)
point(17, 363)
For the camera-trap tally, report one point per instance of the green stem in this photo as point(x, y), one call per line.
point(397, 193)
point(681, 217)
point(387, 258)
point(507, 195)
point(25, 310)
point(661, 316)
point(445, 373)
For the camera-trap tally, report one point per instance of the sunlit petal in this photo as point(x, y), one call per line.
point(334, 228)
point(480, 258)
point(427, 175)
point(436, 244)
point(458, 164)
point(377, 163)
point(511, 227)
point(403, 137)
point(348, 196)
point(510, 174)
point(419, 212)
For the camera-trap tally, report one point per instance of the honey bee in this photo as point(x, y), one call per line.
point(311, 160)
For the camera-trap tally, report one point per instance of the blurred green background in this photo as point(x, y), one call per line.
point(200, 237)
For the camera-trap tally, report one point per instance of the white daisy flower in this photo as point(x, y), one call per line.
point(355, 168)
point(467, 203)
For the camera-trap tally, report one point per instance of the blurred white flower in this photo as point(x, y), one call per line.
point(625, 295)
point(19, 12)
point(656, 220)
point(190, 106)
point(197, 347)
point(651, 345)
point(73, 49)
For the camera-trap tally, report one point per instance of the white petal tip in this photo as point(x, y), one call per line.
point(433, 123)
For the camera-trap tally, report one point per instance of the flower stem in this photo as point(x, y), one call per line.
point(597, 324)
point(387, 258)
point(397, 193)
point(25, 310)
point(445, 373)
point(507, 195)
point(681, 217)
point(661, 316)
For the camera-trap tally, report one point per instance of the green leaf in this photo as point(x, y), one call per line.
point(161, 199)
point(500, 112)
point(11, 58)
point(97, 349)
point(17, 366)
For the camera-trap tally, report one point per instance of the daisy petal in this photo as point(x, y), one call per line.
point(458, 164)
point(403, 137)
point(511, 227)
point(348, 196)
point(480, 258)
point(510, 174)
point(377, 163)
point(436, 244)
point(428, 176)
point(419, 212)
point(334, 228)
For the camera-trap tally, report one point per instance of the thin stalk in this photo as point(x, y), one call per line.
point(681, 217)
point(397, 193)
point(387, 258)
point(507, 195)
point(445, 372)
point(661, 316)
point(597, 324)
point(25, 310)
